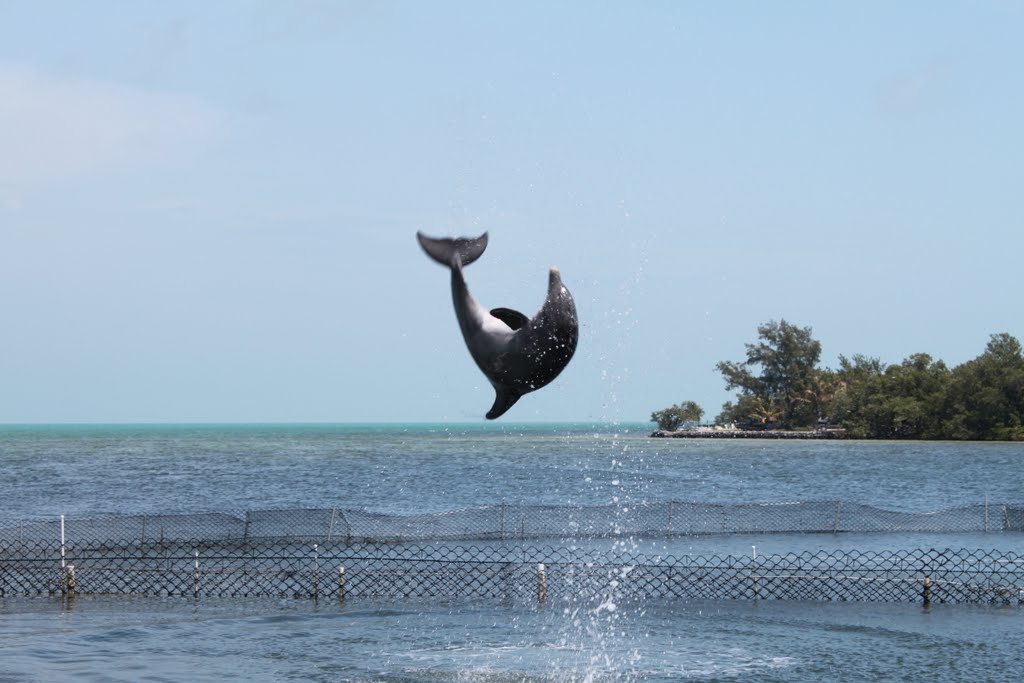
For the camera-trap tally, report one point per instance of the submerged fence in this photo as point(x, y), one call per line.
point(341, 554)
point(509, 522)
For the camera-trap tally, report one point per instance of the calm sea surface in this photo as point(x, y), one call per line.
point(98, 470)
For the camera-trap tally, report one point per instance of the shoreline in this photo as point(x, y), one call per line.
point(710, 433)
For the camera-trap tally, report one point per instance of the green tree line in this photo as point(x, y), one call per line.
point(781, 384)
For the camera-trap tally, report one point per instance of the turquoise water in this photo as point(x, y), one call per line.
point(92, 470)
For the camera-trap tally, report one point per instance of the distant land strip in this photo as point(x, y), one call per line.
point(712, 433)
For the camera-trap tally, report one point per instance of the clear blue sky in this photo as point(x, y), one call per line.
point(208, 209)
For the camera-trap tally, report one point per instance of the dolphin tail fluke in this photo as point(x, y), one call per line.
point(505, 399)
point(447, 250)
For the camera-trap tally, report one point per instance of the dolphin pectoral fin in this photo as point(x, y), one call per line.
point(513, 319)
point(505, 399)
point(445, 249)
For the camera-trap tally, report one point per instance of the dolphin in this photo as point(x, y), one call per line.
point(517, 354)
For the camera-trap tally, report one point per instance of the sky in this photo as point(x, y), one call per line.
point(208, 209)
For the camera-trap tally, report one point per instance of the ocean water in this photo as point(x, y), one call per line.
point(98, 470)
point(128, 639)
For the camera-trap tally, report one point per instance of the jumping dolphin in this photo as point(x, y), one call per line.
point(517, 354)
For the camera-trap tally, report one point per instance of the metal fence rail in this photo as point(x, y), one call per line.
point(515, 574)
point(517, 522)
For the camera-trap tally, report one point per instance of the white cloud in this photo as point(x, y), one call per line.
point(53, 126)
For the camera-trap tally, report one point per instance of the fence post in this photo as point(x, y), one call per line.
point(62, 561)
point(63, 581)
point(542, 584)
point(316, 572)
point(70, 584)
point(753, 572)
point(330, 530)
point(926, 592)
point(341, 583)
point(195, 577)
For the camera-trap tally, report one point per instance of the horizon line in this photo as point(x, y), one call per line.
point(316, 422)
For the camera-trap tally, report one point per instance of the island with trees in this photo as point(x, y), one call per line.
point(782, 392)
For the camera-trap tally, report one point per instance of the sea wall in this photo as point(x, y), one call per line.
point(712, 433)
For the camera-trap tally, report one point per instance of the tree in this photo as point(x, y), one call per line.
point(902, 401)
point(914, 392)
point(852, 382)
point(672, 418)
point(985, 399)
point(922, 399)
point(750, 409)
point(788, 383)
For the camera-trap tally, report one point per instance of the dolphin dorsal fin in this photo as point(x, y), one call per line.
point(504, 399)
point(513, 319)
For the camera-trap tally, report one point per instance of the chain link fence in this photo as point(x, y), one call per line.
point(341, 554)
point(510, 522)
point(515, 574)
